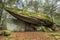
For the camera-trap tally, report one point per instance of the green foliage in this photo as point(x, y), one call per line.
point(11, 1)
point(34, 4)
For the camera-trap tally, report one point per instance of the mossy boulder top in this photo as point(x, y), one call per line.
point(30, 17)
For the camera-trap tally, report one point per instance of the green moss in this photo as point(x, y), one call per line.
point(6, 32)
point(54, 34)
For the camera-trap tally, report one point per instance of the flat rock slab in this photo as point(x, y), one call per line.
point(31, 36)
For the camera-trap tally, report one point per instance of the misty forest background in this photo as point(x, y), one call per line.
point(49, 7)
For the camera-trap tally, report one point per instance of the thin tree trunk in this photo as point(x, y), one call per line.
point(3, 22)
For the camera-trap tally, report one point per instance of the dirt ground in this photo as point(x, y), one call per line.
point(30, 36)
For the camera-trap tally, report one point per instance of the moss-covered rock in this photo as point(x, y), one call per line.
point(30, 17)
point(6, 32)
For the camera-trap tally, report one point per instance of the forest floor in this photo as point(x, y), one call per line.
point(31, 36)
